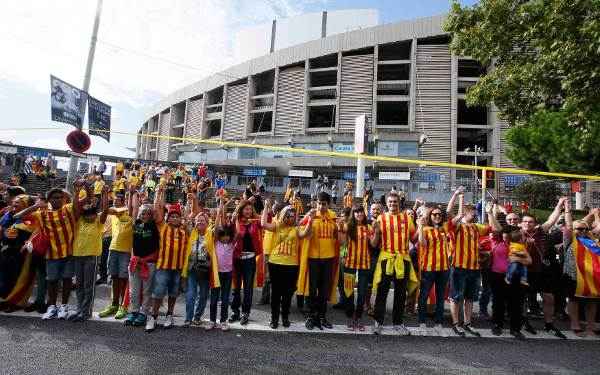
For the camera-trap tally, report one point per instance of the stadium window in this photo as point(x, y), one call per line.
point(392, 113)
point(264, 82)
point(469, 138)
point(214, 128)
point(322, 116)
point(248, 153)
point(470, 68)
point(215, 96)
point(319, 79)
point(262, 122)
point(395, 72)
point(178, 113)
point(475, 115)
point(395, 51)
point(328, 61)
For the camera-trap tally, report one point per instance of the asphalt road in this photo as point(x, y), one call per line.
point(31, 346)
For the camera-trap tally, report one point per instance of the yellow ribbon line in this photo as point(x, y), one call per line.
point(347, 155)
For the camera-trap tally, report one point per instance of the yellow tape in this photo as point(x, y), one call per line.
point(347, 155)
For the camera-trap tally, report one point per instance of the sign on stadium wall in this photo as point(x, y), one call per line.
point(401, 176)
point(300, 173)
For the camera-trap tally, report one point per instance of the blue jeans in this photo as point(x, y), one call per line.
point(516, 270)
point(363, 284)
point(486, 291)
point(166, 282)
point(440, 279)
point(223, 294)
point(196, 296)
point(245, 269)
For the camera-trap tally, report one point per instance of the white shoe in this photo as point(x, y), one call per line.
point(169, 322)
point(422, 326)
point(210, 326)
point(71, 314)
point(402, 330)
point(438, 327)
point(150, 324)
point(50, 313)
point(377, 328)
point(63, 311)
point(224, 326)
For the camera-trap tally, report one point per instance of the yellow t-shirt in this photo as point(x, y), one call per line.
point(134, 180)
point(82, 194)
point(324, 240)
point(120, 167)
point(286, 245)
point(122, 232)
point(88, 238)
point(516, 247)
point(98, 185)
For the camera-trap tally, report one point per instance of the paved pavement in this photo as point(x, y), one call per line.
point(31, 346)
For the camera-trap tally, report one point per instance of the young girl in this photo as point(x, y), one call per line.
point(222, 246)
point(87, 246)
point(358, 236)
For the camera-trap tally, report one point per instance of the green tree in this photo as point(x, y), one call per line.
point(544, 59)
point(538, 193)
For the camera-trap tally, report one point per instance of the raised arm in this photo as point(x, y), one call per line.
point(421, 231)
point(40, 204)
point(568, 216)
point(553, 218)
point(77, 186)
point(461, 206)
point(596, 224)
point(159, 204)
point(264, 217)
point(376, 234)
point(492, 217)
point(306, 232)
point(452, 200)
point(104, 204)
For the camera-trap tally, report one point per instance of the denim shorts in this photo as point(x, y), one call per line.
point(464, 284)
point(59, 269)
point(166, 282)
point(118, 264)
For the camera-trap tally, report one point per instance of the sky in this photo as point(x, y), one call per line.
point(146, 49)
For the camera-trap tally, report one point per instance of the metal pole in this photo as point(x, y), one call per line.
point(360, 176)
point(86, 86)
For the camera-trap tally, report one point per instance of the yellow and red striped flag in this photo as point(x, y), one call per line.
point(587, 261)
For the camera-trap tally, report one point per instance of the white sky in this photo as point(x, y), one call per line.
point(39, 38)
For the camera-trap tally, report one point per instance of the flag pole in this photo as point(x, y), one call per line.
point(86, 85)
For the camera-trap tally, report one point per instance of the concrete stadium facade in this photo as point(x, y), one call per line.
point(402, 75)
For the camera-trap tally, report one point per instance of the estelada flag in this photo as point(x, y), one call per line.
point(587, 261)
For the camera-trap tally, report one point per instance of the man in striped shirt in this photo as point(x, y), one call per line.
point(57, 224)
point(465, 271)
point(393, 232)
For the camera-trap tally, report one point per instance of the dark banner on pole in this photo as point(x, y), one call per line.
point(67, 102)
point(99, 118)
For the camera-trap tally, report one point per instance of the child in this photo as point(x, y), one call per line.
point(223, 249)
point(87, 246)
point(517, 269)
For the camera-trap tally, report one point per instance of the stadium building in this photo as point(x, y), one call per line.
point(401, 75)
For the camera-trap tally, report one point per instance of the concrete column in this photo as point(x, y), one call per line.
point(223, 109)
point(275, 95)
point(413, 85)
point(453, 113)
point(375, 69)
point(338, 92)
point(306, 86)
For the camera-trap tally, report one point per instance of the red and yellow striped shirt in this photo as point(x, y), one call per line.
point(396, 232)
point(297, 204)
point(59, 227)
point(358, 251)
point(434, 256)
point(172, 247)
point(466, 245)
point(348, 200)
point(286, 246)
point(324, 230)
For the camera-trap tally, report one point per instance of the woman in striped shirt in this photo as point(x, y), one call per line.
point(358, 236)
point(433, 230)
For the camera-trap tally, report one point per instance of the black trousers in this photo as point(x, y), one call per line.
point(399, 295)
point(283, 286)
point(319, 287)
point(509, 298)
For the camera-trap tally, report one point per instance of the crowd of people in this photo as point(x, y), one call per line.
point(154, 243)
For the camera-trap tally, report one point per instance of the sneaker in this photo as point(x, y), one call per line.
point(187, 323)
point(210, 326)
point(497, 330)
point(108, 311)
point(224, 326)
point(506, 280)
point(402, 330)
point(550, 328)
point(377, 328)
point(41, 308)
point(244, 319)
point(470, 329)
point(350, 326)
point(169, 322)
point(457, 330)
point(517, 334)
point(63, 311)
point(50, 313)
point(285, 322)
point(359, 325)
point(150, 324)
point(310, 324)
point(524, 282)
point(140, 320)
point(72, 314)
point(197, 322)
point(234, 318)
point(121, 313)
point(130, 319)
point(101, 281)
point(325, 324)
point(273, 324)
point(529, 328)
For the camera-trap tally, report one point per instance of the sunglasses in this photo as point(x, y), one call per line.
point(436, 214)
point(581, 228)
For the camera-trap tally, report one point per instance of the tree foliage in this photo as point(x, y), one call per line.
point(539, 193)
point(544, 59)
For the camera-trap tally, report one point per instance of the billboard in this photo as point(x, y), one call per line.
point(66, 102)
point(99, 118)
